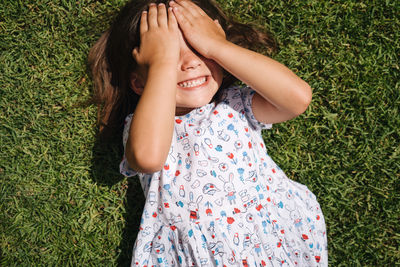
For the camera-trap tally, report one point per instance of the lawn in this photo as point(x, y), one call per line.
point(62, 199)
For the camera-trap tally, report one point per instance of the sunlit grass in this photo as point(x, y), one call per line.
point(62, 200)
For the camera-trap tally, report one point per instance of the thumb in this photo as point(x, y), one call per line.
point(220, 27)
point(135, 53)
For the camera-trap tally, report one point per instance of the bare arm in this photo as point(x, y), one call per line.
point(152, 124)
point(281, 95)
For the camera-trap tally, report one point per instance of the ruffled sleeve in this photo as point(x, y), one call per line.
point(123, 166)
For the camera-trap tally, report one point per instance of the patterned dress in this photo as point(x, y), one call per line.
point(220, 200)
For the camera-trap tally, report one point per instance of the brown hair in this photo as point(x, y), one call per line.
point(111, 61)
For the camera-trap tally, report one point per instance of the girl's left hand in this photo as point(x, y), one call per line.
point(202, 33)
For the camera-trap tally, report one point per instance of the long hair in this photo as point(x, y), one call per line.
point(111, 61)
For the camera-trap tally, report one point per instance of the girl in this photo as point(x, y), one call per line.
point(214, 197)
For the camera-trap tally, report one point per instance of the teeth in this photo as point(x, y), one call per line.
point(193, 83)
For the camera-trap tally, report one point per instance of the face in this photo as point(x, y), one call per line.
point(198, 79)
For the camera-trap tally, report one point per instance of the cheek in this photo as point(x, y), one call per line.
point(216, 71)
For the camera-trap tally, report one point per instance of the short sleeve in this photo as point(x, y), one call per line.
point(123, 166)
point(247, 94)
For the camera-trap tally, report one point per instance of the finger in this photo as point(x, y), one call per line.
point(182, 18)
point(191, 7)
point(172, 19)
point(187, 12)
point(217, 23)
point(162, 15)
point(143, 23)
point(135, 53)
point(152, 16)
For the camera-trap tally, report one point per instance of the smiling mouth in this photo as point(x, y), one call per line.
point(194, 82)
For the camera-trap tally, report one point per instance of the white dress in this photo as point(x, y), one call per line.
point(220, 200)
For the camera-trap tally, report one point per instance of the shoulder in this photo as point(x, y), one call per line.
point(240, 99)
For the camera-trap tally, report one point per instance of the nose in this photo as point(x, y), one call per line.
point(189, 60)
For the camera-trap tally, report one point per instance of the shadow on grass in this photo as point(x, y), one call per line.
point(105, 171)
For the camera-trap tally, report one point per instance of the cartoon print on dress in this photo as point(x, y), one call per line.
point(201, 173)
point(237, 106)
point(158, 248)
point(195, 184)
point(152, 198)
point(167, 188)
point(200, 111)
point(173, 219)
point(183, 137)
point(229, 188)
point(247, 200)
point(222, 122)
point(219, 201)
point(223, 167)
point(237, 95)
point(194, 207)
point(238, 144)
point(213, 160)
point(203, 262)
point(269, 252)
point(146, 231)
point(236, 239)
point(198, 131)
point(208, 126)
point(203, 163)
point(309, 206)
point(210, 189)
point(246, 157)
point(196, 149)
point(181, 191)
point(188, 177)
point(231, 127)
point(281, 260)
point(242, 115)
point(217, 248)
point(148, 246)
point(252, 177)
point(208, 142)
point(256, 243)
point(232, 157)
point(223, 136)
point(240, 172)
point(306, 257)
point(179, 156)
point(208, 210)
point(188, 163)
point(249, 218)
point(296, 217)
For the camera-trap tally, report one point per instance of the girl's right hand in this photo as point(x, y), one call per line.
point(159, 37)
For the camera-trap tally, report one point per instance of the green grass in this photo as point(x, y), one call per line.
point(62, 200)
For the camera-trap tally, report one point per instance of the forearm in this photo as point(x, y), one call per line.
point(271, 79)
point(152, 124)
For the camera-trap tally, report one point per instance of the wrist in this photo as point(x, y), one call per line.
point(216, 49)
